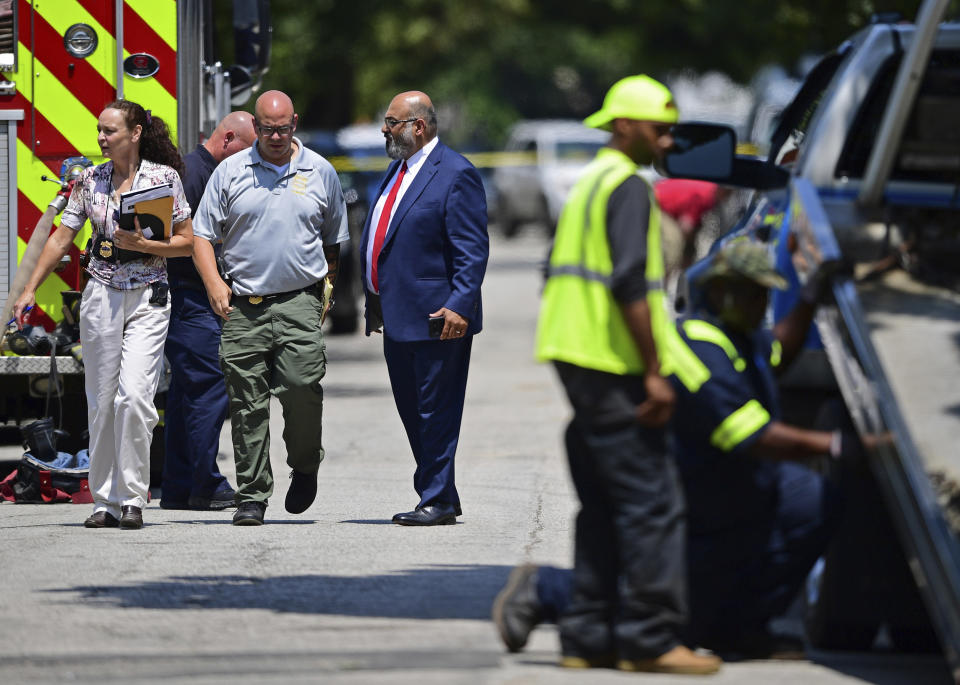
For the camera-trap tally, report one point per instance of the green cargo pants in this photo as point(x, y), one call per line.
point(276, 344)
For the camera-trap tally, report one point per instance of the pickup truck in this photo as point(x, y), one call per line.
point(863, 172)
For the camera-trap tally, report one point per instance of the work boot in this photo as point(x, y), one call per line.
point(679, 660)
point(601, 661)
point(516, 609)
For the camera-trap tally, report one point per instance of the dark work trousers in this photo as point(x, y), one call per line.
point(429, 381)
point(275, 345)
point(740, 579)
point(629, 580)
point(196, 401)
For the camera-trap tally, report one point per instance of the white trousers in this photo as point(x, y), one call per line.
point(122, 336)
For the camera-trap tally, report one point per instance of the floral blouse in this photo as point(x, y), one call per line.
point(94, 198)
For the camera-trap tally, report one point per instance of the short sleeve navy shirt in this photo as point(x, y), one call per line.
point(725, 486)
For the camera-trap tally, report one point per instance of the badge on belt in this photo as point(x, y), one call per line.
point(254, 299)
point(106, 249)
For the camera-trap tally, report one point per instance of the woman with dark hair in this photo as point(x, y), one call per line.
point(124, 311)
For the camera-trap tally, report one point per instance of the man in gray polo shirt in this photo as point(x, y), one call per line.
point(278, 210)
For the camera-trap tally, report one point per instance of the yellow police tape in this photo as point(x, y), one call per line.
point(481, 160)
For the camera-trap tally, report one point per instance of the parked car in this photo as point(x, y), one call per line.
point(545, 158)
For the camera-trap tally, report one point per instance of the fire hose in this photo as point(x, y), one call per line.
point(41, 232)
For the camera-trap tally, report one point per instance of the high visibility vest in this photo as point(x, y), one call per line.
point(580, 321)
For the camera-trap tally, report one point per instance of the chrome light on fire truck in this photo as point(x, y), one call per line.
point(80, 40)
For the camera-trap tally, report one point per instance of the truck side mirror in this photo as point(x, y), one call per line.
point(707, 152)
point(701, 151)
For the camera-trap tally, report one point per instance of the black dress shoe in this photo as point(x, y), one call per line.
point(101, 519)
point(131, 517)
point(302, 492)
point(430, 515)
point(249, 514)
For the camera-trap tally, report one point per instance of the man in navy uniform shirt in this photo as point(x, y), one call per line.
point(197, 399)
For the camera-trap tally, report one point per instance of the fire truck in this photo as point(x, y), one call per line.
point(61, 61)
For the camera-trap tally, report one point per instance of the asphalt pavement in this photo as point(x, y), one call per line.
point(339, 594)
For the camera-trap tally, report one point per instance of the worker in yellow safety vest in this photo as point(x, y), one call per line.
point(603, 323)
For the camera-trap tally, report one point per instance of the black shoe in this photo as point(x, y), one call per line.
point(101, 519)
point(516, 609)
point(249, 514)
point(220, 500)
point(302, 492)
point(430, 515)
point(131, 517)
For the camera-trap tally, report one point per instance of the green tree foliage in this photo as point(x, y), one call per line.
point(487, 63)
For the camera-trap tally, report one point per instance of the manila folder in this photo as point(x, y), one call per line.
point(155, 217)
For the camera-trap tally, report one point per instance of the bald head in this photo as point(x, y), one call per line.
point(416, 124)
point(276, 122)
point(234, 133)
point(273, 103)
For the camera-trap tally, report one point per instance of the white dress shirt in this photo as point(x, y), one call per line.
point(414, 164)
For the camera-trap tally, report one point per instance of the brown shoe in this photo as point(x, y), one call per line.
point(678, 660)
point(131, 517)
point(101, 519)
point(603, 661)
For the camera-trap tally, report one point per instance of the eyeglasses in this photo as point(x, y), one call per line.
point(268, 131)
point(391, 122)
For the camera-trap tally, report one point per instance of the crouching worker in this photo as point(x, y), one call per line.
point(758, 516)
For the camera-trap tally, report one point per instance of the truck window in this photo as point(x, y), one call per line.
point(787, 139)
point(8, 35)
point(930, 148)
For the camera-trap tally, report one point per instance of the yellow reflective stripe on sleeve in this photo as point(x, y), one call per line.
point(776, 353)
point(707, 332)
point(740, 425)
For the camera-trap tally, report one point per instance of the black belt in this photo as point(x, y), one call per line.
point(260, 299)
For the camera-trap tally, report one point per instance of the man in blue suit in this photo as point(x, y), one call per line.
point(424, 253)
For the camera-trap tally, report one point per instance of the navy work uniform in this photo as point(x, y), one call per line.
point(197, 399)
point(755, 526)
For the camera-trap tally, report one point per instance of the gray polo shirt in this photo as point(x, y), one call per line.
point(273, 228)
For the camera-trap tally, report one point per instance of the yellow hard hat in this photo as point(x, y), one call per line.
point(635, 97)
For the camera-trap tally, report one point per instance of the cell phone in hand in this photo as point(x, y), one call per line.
point(436, 326)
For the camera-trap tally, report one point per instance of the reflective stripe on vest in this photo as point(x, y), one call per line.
point(739, 426)
point(707, 332)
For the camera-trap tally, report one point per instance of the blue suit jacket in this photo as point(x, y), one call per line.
point(435, 252)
